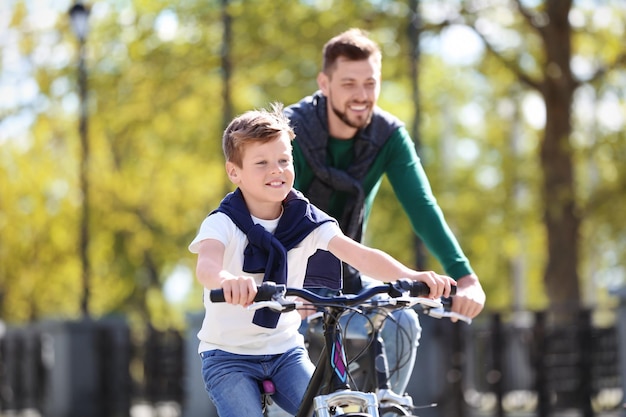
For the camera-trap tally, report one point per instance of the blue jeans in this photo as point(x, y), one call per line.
point(232, 380)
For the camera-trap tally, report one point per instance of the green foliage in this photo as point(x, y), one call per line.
point(156, 167)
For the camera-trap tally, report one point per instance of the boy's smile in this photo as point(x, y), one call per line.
point(265, 177)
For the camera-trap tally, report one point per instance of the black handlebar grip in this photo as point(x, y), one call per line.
point(217, 295)
point(420, 289)
point(265, 292)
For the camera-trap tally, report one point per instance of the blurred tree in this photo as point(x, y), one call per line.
point(158, 75)
point(543, 63)
point(504, 240)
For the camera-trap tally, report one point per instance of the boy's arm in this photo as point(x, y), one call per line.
point(210, 273)
point(381, 266)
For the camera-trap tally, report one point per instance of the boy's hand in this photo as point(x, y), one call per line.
point(239, 290)
point(440, 285)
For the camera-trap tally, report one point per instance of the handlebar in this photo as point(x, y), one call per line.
point(272, 295)
point(269, 291)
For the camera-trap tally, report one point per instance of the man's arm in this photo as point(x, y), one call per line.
point(382, 266)
point(413, 190)
point(412, 187)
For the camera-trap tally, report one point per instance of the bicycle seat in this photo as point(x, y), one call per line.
point(268, 387)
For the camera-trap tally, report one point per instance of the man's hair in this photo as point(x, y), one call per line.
point(261, 125)
point(353, 44)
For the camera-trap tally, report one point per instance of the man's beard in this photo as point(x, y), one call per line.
point(344, 118)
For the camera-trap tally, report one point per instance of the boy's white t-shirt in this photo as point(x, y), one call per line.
point(229, 327)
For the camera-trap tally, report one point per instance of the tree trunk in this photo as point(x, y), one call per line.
point(413, 32)
point(560, 215)
point(226, 64)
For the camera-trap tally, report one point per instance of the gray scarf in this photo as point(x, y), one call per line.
point(310, 122)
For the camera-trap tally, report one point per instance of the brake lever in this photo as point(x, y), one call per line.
point(280, 306)
point(427, 302)
point(272, 305)
point(440, 312)
point(408, 301)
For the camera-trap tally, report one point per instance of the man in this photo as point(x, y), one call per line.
point(344, 145)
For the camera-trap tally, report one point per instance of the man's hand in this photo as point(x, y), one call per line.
point(470, 297)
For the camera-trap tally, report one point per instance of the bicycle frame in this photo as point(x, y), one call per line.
point(329, 393)
point(329, 388)
point(372, 360)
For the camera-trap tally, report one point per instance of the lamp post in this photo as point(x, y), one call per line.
point(79, 15)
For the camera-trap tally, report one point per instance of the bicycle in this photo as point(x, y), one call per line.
point(369, 368)
point(329, 393)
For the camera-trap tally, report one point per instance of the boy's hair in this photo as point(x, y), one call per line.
point(261, 125)
point(353, 44)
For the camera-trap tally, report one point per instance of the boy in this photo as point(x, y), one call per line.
point(266, 230)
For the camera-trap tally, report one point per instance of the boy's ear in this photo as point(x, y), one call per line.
point(232, 172)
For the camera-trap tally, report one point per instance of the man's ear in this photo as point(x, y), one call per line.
point(322, 83)
point(232, 172)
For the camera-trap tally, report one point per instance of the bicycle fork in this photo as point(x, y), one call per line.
point(341, 399)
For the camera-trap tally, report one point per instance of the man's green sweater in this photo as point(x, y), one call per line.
point(399, 161)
